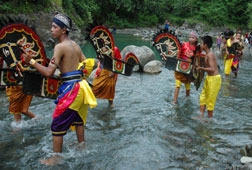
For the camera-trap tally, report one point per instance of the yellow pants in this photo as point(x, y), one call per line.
point(228, 65)
point(187, 85)
point(212, 85)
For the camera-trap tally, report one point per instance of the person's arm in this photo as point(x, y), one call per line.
point(82, 57)
point(54, 62)
point(210, 68)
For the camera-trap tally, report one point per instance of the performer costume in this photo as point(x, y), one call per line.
point(72, 103)
point(104, 84)
point(187, 52)
point(208, 96)
point(235, 63)
point(19, 102)
point(232, 61)
point(74, 94)
point(224, 53)
point(229, 61)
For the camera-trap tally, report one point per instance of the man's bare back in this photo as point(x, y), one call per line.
point(67, 56)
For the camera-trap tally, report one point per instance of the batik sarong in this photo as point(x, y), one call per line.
point(19, 102)
point(105, 80)
point(104, 85)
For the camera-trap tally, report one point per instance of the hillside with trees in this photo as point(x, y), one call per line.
point(141, 13)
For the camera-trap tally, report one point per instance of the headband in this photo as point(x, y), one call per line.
point(194, 34)
point(62, 21)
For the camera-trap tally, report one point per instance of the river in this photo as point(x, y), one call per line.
point(143, 131)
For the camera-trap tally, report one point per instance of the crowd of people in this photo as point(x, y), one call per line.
point(75, 95)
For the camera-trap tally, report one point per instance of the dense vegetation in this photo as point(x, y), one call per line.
point(133, 13)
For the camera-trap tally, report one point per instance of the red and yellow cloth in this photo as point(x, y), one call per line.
point(187, 52)
point(76, 95)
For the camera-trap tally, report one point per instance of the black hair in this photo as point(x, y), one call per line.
point(230, 33)
point(207, 40)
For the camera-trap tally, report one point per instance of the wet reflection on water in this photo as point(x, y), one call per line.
point(144, 130)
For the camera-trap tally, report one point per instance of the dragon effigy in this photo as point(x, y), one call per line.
point(170, 50)
point(17, 36)
point(103, 42)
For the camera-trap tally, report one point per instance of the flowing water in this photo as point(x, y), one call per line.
point(143, 131)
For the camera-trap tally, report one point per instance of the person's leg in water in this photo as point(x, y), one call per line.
point(111, 103)
point(228, 65)
point(29, 114)
point(57, 148)
point(202, 102)
point(80, 133)
point(188, 87)
point(235, 74)
point(176, 92)
point(213, 88)
point(210, 114)
point(18, 117)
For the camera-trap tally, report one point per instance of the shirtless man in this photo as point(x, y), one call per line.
point(75, 93)
point(212, 83)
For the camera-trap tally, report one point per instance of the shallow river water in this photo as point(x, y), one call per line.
point(143, 131)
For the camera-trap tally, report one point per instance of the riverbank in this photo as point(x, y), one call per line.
point(42, 23)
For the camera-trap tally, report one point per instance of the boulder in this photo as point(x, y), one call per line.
point(153, 67)
point(143, 53)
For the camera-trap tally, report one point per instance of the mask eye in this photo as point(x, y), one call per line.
point(6, 52)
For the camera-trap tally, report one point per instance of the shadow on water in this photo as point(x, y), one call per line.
point(144, 130)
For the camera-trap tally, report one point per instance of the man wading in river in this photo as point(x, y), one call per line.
point(212, 83)
point(74, 94)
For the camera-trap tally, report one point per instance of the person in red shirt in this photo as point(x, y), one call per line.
point(187, 53)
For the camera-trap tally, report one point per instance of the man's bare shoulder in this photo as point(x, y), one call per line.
point(211, 55)
point(59, 46)
point(75, 44)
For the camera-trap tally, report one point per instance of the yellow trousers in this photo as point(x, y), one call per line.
point(228, 65)
point(208, 96)
point(187, 85)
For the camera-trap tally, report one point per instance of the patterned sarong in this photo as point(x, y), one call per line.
point(104, 85)
point(19, 102)
point(72, 103)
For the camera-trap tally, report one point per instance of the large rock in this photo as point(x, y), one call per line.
point(143, 53)
point(153, 67)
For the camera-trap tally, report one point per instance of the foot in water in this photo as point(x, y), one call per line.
point(54, 160)
point(202, 118)
point(199, 117)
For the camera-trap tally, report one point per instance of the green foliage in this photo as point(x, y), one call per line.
point(25, 6)
point(81, 11)
point(134, 13)
point(249, 14)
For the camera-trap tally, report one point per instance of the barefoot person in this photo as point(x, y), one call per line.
point(238, 56)
point(74, 94)
point(105, 81)
point(231, 54)
point(19, 103)
point(187, 53)
point(212, 83)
